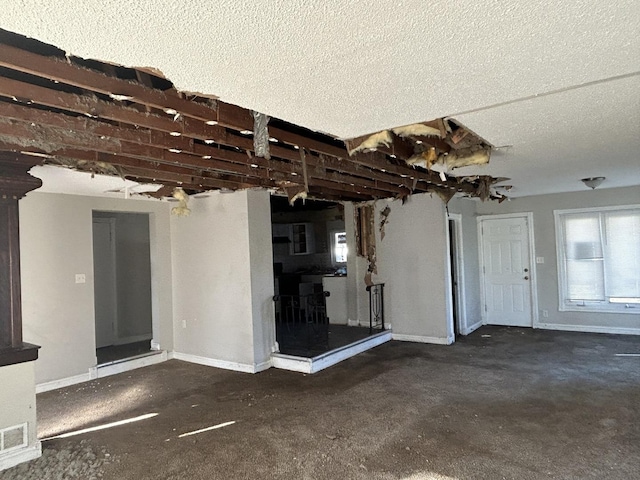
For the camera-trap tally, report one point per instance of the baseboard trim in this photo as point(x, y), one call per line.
point(105, 370)
point(588, 329)
point(63, 382)
point(326, 360)
point(423, 339)
point(17, 457)
point(471, 329)
point(261, 367)
point(291, 363)
point(331, 358)
point(214, 362)
point(126, 365)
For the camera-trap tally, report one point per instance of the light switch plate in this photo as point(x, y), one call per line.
point(539, 259)
point(81, 278)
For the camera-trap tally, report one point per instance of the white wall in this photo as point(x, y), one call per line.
point(413, 264)
point(223, 280)
point(55, 244)
point(261, 265)
point(18, 405)
point(542, 207)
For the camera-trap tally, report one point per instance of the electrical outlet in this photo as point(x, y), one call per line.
point(184, 324)
point(545, 313)
point(539, 259)
point(81, 278)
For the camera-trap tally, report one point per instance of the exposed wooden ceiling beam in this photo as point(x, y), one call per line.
point(139, 131)
point(64, 71)
point(20, 135)
point(106, 137)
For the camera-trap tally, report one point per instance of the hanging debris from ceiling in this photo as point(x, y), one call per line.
point(384, 218)
point(261, 135)
point(445, 162)
point(182, 210)
point(441, 145)
point(294, 191)
point(366, 238)
point(484, 185)
point(369, 143)
point(99, 168)
point(436, 128)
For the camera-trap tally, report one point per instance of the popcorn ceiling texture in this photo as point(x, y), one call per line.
point(351, 68)
point(348, 67)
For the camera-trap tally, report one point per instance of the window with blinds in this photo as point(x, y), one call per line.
point(599, 259)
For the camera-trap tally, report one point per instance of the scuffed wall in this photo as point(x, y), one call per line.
point(56, 243)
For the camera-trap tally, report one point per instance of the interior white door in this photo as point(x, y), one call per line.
point(506, 271)
point(104, 280)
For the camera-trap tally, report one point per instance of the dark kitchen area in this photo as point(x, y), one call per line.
point(310, 277)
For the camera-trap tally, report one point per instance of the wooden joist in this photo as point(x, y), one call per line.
point(202, 143)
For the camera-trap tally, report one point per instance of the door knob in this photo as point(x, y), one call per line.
point(526, 270)
point(526, 278)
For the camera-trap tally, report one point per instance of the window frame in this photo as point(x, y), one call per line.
point(564, 304)
point(332, 236)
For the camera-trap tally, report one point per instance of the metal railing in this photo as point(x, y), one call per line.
point(376, 307)
point(302, 325)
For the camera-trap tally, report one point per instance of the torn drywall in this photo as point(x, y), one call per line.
point(371, 142)
point(384, 218)
point(366, 238)
point(419, 130)
point(294, 191)
point(261, 135)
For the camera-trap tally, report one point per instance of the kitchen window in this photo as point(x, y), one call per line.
point(599, 259)
point(339, 247)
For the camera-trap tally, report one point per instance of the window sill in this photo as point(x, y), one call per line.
point(595, 309)
point(25, 353)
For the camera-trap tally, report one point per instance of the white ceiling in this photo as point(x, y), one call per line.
point(354, 67)
point(64, 180)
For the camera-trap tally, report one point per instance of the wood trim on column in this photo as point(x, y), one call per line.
point(15, 182)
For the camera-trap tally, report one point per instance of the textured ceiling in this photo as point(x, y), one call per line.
point(352, 67)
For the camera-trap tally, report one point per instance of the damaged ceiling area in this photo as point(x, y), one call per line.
point(132, 123)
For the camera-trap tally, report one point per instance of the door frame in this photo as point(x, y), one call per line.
point(458, 271)
point(154, 257)
point(112, 246)
point(533, 284)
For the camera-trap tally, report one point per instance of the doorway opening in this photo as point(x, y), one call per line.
point(456, 262)
point(310, 278)
point(122, 285)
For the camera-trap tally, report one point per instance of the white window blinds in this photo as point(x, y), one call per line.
point(599, 256)
point(622, 254)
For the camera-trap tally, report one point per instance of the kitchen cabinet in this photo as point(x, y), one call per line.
point(302, 239)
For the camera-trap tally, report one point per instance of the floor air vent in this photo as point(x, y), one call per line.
point(12, 438)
